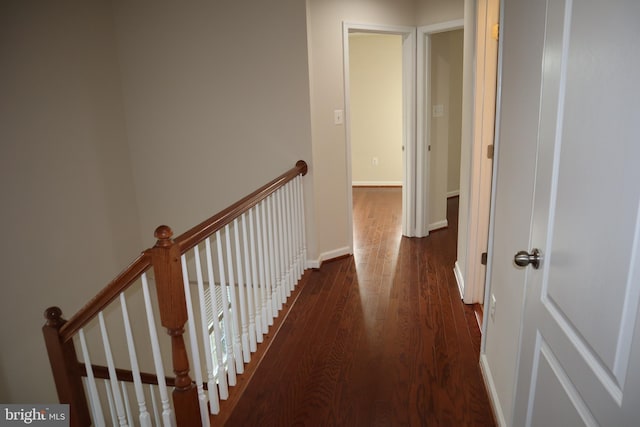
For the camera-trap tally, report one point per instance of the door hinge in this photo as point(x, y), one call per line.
point(483, 258)
point(490, 151)
point(495, 31)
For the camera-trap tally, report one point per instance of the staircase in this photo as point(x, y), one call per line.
point(220, 290)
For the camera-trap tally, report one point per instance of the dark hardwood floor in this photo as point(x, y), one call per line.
point(378, 339)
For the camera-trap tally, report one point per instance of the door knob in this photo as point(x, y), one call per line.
point(524, 258)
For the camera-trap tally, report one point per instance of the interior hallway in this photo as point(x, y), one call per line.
point(378, 339)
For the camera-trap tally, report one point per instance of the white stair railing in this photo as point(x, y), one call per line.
point(260, 258)
point(236, 271)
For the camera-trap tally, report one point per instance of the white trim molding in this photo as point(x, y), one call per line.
point(491, 389)
point(377, 183)
point(326, 256)
point(453, 193)
point(438, 225)
point(459, 279)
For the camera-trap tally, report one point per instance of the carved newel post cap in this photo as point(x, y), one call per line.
point(163, 234)
point(53, 316)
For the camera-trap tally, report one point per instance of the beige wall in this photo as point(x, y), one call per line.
point(455, 121)
point(375, 85)
point(436, 11)
point(68, 207)
point(217, 102)
point(445, 67)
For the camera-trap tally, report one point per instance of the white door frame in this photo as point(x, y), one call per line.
point(408, 119)
point(423, 125)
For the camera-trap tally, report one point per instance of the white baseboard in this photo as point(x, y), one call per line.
point(491, 389)
point(336, 253)
point(453, 193)
point(437, 225)
point(459, 279)
point(377, 183)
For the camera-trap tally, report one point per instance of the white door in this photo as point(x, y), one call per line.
point(579, 360)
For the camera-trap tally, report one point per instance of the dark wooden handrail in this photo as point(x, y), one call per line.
point(105, 297)
point(197, 234)
point(185, 241)
point(102, 372)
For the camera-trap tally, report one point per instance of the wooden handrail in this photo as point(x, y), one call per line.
point(102, 372)
point(197, 234)
point(105, 296)
point(185, 241)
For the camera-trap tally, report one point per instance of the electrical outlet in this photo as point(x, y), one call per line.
point(492, 309)
point(374, 161)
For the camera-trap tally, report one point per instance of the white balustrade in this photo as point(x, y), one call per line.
point(117, 396)
point(168, 417)
point(226, 317)
point(204, 327)
point(94, 398)
point(255, 285)
point(241, 291)
point(249, 287)
point(144, 417)
point(228, 314)
point(217, 333)
point(235, 321)
point(195, 348)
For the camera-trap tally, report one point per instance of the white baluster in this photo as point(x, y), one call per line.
point(154, 405)
point(268, 310)
point(117, 397)
point(144, 417)
point(94, 398)
point(282, 281)
point(112, 409)
point(195, 349)
point(204, 327)
point(249, 286)
point(228, 327)
point(296, 221)
point(289, 231)
point(246, 351)
point(168, 417)
point(237, 346)
point(294, 231)
point(127, 406)
point(222, 376)
point(255, 284)
point(303, 222)
point(273, 255)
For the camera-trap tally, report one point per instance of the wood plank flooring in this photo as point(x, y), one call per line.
point(378, 339)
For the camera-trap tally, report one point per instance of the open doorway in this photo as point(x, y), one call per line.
point(375, 85)
point(370, 161)
point(439, 119)
point(444, 130)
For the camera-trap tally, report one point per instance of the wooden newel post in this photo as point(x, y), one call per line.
point(173, 316)
point(65, 368)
